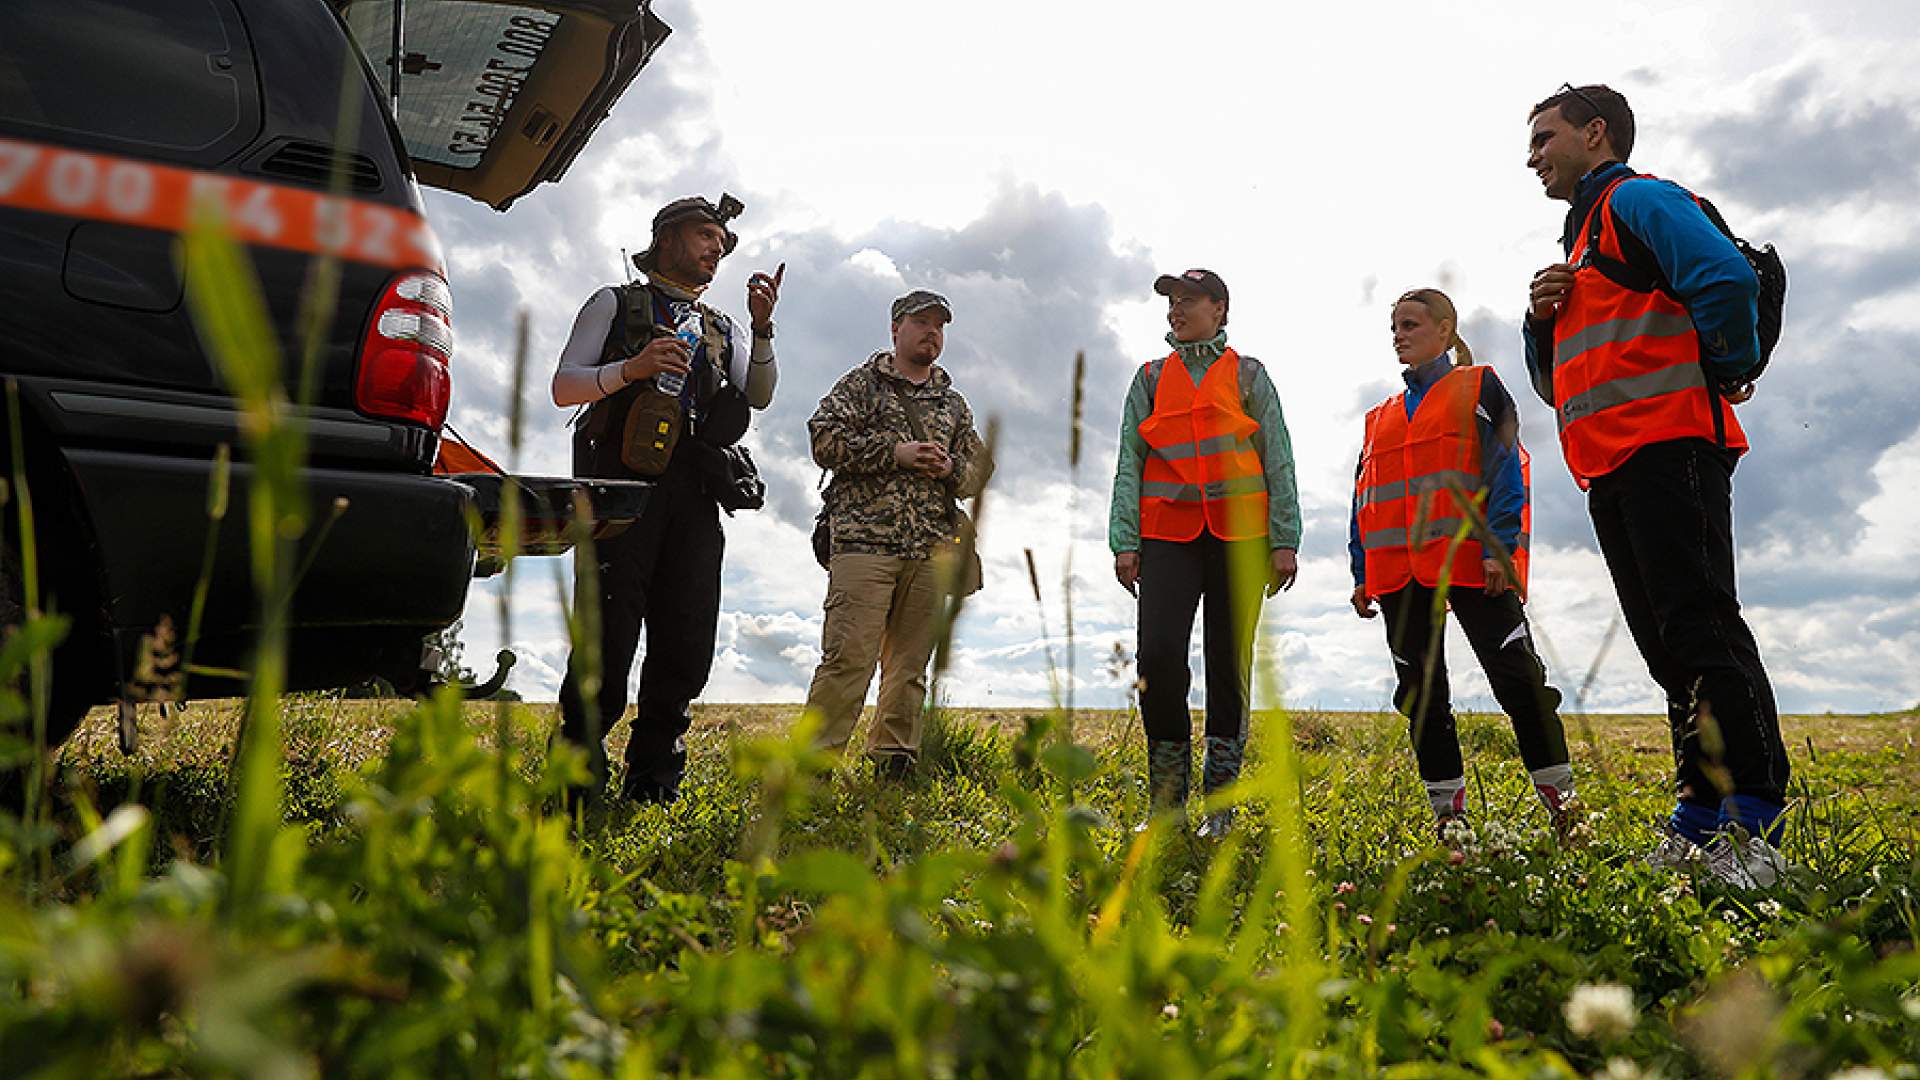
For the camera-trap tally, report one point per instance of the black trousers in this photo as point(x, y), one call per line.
point(1665, 524)
point(1496, 627)
point(663, 573)
point(1174, 578)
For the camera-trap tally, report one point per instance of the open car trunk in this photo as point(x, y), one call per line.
point(496, 98)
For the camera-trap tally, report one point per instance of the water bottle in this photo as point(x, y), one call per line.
point(686, 327)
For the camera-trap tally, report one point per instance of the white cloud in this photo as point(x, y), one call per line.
point(1039, 163)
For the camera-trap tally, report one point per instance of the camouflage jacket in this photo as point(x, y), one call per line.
point(873, 505)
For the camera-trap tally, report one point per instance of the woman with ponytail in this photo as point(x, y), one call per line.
point(1440, 520)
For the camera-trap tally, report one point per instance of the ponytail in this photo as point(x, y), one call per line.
point(1462, 356)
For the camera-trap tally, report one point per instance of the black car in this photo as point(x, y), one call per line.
point(114, 116)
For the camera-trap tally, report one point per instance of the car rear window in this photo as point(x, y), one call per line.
point(171, 77)
point(464, 62)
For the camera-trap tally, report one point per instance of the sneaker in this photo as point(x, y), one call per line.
point(1215, 826)
point(1741, 860)
point(1673, 852)
point(1566, 817)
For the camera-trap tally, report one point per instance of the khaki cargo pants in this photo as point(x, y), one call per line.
point(880, 609)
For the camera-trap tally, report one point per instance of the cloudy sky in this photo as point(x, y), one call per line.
point(1041, 163)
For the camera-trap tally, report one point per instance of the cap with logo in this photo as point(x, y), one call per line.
point(921, 300)
point(1204, 281)
point(691, 208)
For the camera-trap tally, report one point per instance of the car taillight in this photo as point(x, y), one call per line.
point(403, 362)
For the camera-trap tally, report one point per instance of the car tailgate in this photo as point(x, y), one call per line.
point(496, 98)
point(549, 509)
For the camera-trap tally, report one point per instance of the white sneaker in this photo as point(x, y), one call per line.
point(1743, 861)
point(1673, 852)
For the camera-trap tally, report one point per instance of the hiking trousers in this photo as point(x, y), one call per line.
point(1175, 579)
point(1664, 520)
point(662, 574)
point(1496, 628)
point(880, 609)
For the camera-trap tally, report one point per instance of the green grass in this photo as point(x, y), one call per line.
point(994, 915)
point(309, 886)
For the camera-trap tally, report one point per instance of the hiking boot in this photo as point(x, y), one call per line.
point(1673, 852)
point(577, 799)
point(1169, 777)
point(639, 788)
point(1738, 858)
point(1215, 826)
point(893, 768)
point(1222, 767)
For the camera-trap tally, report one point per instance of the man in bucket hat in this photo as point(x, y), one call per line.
point(666, 380)
point(900, 441)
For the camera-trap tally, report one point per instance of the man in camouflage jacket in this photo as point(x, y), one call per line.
point(900, 441)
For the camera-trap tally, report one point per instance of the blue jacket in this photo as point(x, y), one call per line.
point(1499, 457)
point(1708, 274)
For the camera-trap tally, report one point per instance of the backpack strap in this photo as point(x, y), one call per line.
point(1627, 272)
point(918, 424)
point(717, 335)
point(915, 422)
point(635, 327)
point(1248, 368)
point(1151, 377)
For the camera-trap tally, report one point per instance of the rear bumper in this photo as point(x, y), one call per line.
point(385, 555)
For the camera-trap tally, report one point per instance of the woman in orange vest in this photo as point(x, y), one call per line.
point(1441, 474)
point(1204, 509)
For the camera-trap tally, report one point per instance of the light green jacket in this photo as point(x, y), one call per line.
point(1262, 403)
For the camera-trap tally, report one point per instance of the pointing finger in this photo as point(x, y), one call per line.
point(778, 273)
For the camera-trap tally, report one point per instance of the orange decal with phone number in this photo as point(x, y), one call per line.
point(103, 187)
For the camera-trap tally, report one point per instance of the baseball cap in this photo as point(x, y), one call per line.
point(1206, 281)
point(920, 300)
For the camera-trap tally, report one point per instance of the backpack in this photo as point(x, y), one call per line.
point(1767, 268)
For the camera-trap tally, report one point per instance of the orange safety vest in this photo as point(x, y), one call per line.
point(1201, 470)
point(1409, 513)
point(1626, 367)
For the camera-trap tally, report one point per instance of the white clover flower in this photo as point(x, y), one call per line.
point(1170, 1011)
point(1860, 1072)
point(1601, 1012)
point(1622, 1069)
point(1770, 908)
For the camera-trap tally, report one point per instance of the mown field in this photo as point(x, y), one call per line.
point(417, 911)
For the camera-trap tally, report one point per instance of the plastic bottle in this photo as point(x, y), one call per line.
point(686, 327)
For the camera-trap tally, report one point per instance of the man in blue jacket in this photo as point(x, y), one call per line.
point(1638, 380)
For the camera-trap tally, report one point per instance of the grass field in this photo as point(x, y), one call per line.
point(994, 915)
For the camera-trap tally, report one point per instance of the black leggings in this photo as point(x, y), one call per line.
point(1174, 578)
point(1496, 627)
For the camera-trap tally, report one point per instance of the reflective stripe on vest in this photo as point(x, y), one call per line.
point(1626, 366)
point(1201, 472)
point(1414, 473)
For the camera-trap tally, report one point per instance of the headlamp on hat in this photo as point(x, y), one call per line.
point(692, 208)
